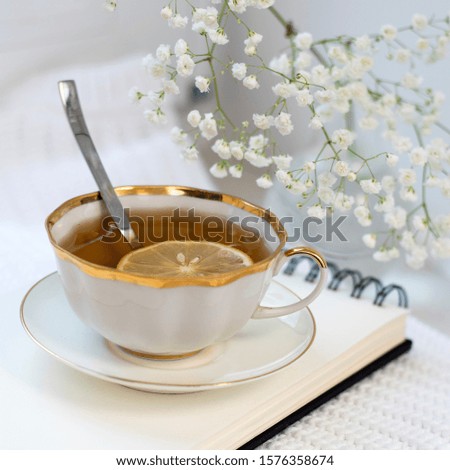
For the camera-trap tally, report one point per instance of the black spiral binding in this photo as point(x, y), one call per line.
point(359, 282)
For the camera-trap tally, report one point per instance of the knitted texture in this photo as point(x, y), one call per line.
point(405, 405)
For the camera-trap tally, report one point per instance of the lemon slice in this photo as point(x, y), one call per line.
point(184, 259)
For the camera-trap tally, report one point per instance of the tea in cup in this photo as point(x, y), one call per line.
point(207, 261)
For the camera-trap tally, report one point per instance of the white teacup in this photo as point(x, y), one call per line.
point(170, 318)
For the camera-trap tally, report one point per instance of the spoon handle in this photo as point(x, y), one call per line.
point(71, 103)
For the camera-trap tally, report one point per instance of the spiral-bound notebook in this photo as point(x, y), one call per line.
point(392, 325)
point(356, 335)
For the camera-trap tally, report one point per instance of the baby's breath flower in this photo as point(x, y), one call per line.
point(155, 116)
point(315, 123)
point(237, 150)
point(389, 32)
point(419, 223)
point(296, 187)
point(283, 123)
point(363, 216)
point(185, 65)
point(370, 186)
point(238, 6)
point(218, 36)
point(281, 64)
point(170, 87)
point(163, 53)
point(251, 82)
point(258, 142)
point(110, 5)
point(343, 202)
point(178, 21)
point(166, 13)
point(391, 159)
point(239, 71)
point(386, 254)
point(416, 259)
point(388, 183)
point(256, 159)
point(178, 135)
point(283, 177)
point(309, 167)
point(329, 81)
point(285, 89)
point(407, 177)
point(219, 170)
point(262, 121)
point(418, 156)
point(402, 55)
point(422, 44)
point(341, 168)
point(208, 127)
point(153, 66)
point(343, 138)
point(252, 42)
point(135, 95)
point(207, 16)
point(385, 204)
point(320, 75)
point(264, 181)
point(262, 4)
point(303, 41)
point(194, 118)
point(411, 81)
point(222, 148)
point(190, 154)
point(440, 247)
point(370, 240)
point(368, 123)
point(408, 193)
point(283, 162)
point(363, 43)
point(419, 22)
point(304, 98)
point(317, 211)
point(338, 54)
point(326, 179)
point(202, 84)
point(351, 177)
point(326, 194)
point(181, 47)
point(155, 99)
point(396, 218)
point(325, 96)
point(236, 170)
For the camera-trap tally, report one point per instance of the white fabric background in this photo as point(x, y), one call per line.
point(40, 165)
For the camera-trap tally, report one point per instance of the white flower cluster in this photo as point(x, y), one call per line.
point(327, 79)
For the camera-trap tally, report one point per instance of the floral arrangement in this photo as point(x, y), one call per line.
point(333, 80)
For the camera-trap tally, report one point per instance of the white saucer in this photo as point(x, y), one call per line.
point(259, 349)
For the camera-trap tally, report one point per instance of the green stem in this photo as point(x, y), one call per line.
point(279, 17)
point(424, 187)
point(442, 127)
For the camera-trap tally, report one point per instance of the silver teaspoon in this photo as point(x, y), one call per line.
point(71, 103)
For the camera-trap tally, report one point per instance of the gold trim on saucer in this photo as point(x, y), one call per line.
point(159, 387)
point(103, 272)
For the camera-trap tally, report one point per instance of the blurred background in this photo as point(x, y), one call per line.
point(40, 164)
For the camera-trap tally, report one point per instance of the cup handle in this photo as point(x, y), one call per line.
point(272, 312)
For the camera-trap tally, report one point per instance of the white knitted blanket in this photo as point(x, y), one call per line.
point(405, 405)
